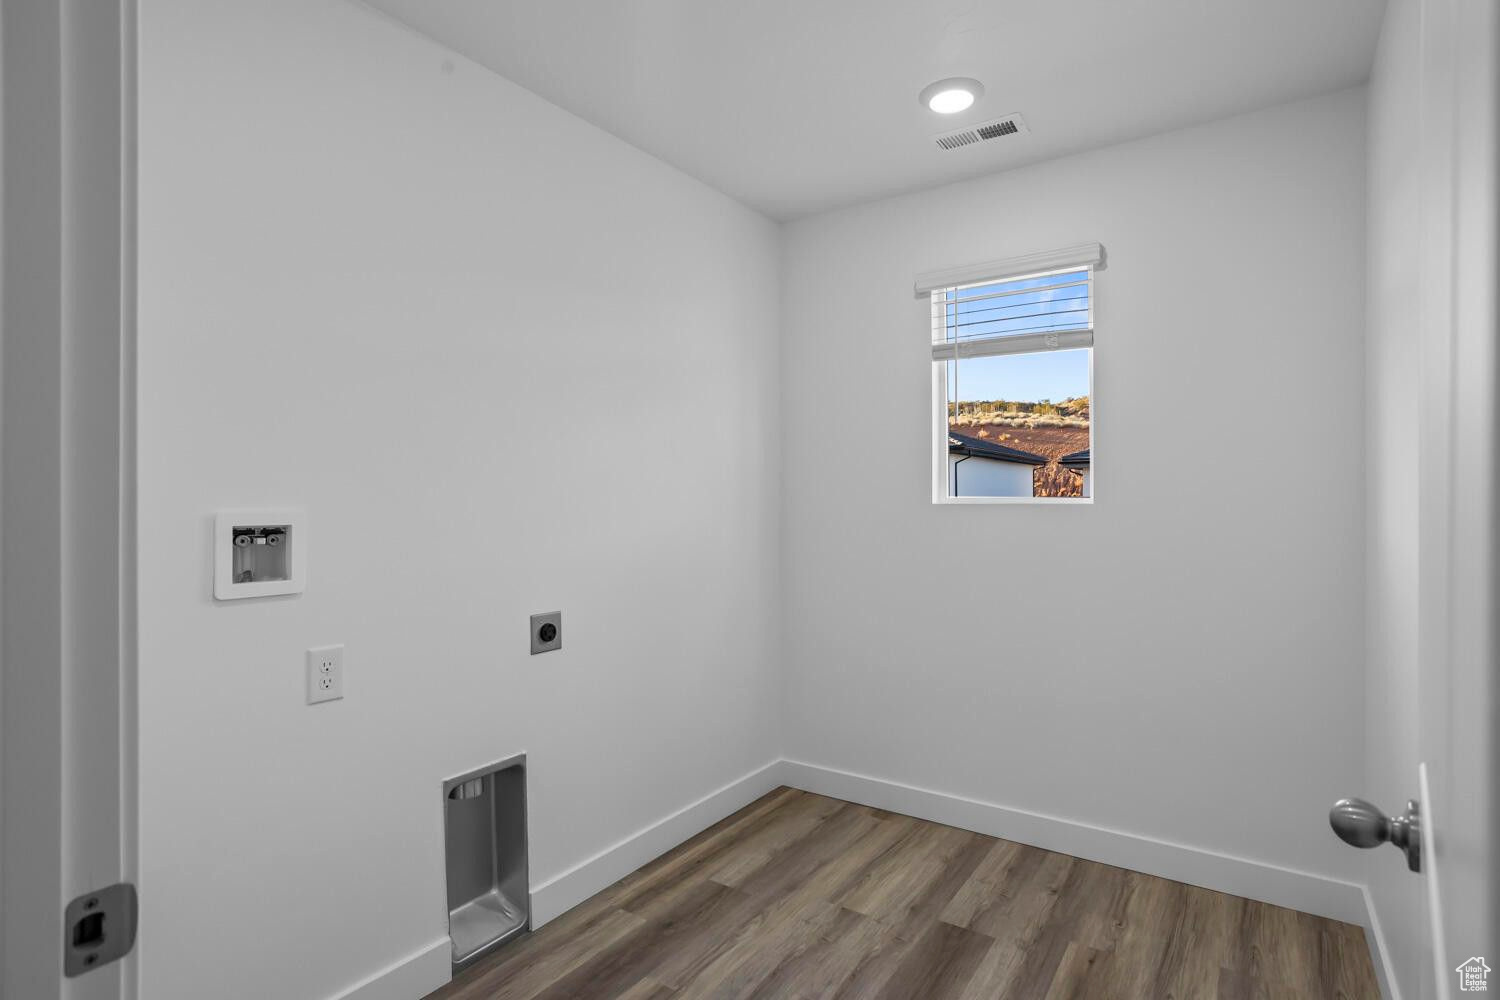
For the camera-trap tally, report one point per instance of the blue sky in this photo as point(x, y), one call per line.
point(1054, 375)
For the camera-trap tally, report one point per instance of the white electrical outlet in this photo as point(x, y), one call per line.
point(325, 674)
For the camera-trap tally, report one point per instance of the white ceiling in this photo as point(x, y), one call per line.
point(797, 106)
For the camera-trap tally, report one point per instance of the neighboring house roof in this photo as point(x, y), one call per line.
point(958, 444)
point(1077, 460)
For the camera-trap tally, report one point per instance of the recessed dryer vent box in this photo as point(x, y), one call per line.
point(260, 553)
point(489, 890)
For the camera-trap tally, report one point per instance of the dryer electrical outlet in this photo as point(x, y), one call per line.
point(546, 632)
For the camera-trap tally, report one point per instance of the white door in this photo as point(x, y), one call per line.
point(1458, 439)
point(1431, 697)
point(66, 501)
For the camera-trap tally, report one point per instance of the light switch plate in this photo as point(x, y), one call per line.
point(325, 674)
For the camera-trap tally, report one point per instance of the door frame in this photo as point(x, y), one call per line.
point(67, 482)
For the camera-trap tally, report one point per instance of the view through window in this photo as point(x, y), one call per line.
point(1016, 357)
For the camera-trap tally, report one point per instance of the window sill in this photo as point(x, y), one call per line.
point(1037, 501)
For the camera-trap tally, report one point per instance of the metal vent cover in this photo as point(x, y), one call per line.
point(999, 128)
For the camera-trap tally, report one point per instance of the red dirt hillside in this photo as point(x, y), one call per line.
point(1049, 438)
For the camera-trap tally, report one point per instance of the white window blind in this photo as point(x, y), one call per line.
point(1089, 255)
point(1013, 307)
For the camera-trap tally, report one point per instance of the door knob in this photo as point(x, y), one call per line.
point(1362, 824)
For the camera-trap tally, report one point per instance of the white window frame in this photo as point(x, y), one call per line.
point(1089, 257)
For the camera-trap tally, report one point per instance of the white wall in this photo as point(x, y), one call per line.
point(1182, 659)
point(380, 282)
point(1392, 407)
point(983, 477)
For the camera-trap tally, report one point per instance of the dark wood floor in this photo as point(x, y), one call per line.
point(801, 896)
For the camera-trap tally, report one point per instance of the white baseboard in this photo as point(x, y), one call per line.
point(562, 892)
point(414, 976)
point(1287, 887)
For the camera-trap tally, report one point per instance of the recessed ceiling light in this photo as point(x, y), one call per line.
point(952, 95)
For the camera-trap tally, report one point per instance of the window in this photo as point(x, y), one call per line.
point(1013, 363)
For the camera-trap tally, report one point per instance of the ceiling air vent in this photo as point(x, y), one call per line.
point(983, 132)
